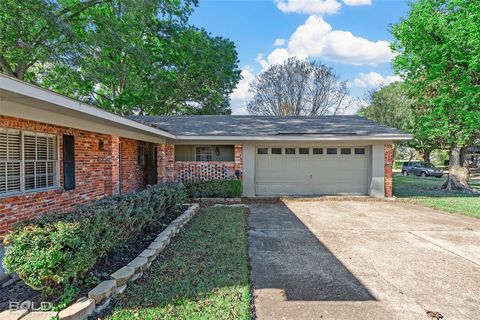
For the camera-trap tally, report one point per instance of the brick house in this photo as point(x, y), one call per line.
point(56, 153)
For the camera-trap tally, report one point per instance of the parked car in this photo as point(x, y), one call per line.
point(421, 169)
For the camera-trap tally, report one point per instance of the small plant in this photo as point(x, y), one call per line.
point(214, 189)
point(51, 252)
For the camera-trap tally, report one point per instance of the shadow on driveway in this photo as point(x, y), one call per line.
point(285, 255)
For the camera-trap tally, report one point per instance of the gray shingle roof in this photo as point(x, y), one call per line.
point(220, 125)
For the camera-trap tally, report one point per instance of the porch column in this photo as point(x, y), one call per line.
point(248, 165)
point(166, 162)
point(112, 163)
point(239, 159)
point(377, 170)
point(388, 165)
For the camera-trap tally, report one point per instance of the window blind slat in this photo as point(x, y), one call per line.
point(37, 167)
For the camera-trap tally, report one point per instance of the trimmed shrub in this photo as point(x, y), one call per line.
point(214, 189)
point(51, 252)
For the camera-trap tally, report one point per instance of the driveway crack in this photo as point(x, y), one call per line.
point(443, 248)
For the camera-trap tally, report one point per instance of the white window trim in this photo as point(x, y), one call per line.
point(22, 163)
point(141, 160)
point(211, 155)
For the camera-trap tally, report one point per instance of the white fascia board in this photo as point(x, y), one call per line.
point(31, 91)
point(299, 138)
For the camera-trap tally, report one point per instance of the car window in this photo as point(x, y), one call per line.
point(429, 165)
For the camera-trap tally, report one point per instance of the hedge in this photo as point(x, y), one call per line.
point(51, 252)
point(214, 189)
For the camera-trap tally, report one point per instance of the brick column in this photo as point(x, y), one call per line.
point(239, 158)
point(112, 169)
point(166, 162)
point(388, 164)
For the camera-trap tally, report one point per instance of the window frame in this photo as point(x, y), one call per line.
point(331, 154)
point(141, 155)
point(364, 150)
point(22, 161)
point(290, 149)
point(300, 149)
point(276, 148)
point(204, 147)
point(263, 149)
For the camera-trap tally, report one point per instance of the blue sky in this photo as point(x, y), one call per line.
point(350, 35)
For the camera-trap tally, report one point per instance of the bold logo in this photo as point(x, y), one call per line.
point(30, 305)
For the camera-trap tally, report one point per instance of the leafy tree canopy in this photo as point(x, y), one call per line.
point(390, 105)
point(126, 56)
point(439, 57)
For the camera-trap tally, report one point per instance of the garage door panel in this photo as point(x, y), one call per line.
point(282, 188)
point(311, 174)
point(279, 169)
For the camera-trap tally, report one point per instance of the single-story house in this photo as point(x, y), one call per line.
point(56, 152)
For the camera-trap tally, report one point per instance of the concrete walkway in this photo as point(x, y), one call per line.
point(363, 260)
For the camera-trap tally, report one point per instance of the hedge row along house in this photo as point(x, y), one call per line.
point(56, 153)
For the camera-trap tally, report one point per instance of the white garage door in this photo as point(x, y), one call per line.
point(311, 170)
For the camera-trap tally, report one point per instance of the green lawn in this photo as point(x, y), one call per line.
point(426, 191)
point(202, 274)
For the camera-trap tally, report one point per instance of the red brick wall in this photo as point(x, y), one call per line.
point(96, 173)
point(134, 176)
point(239, 157)
point(388, 164)
point(165, 162)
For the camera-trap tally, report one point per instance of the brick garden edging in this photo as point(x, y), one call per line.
point(100, 296)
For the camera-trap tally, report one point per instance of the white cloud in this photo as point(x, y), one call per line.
point(357, 2)
point(239, 97)
point(309, 6)
point(279, 42)
point(320, 7)
point(374, 80)
point(276, 57)
point(316, 38)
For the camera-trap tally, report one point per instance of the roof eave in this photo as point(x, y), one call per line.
point(395, 137)
point(28, 90)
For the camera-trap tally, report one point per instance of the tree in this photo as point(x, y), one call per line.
point(438, 55)
point(298, 87)
point(130, 56)
point(35, 31)
point(391, 106)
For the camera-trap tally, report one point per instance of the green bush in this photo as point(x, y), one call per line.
point(51, 252)
point(214, 189)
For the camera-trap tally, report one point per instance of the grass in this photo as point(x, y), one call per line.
point(427, 192)
point(202, 274)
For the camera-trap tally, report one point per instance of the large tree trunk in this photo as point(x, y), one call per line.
point(458, 171)
point(426, 155)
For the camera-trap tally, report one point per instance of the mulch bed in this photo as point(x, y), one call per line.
point(20, 292)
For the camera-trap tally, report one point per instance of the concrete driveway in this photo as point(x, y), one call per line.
point(363, 260)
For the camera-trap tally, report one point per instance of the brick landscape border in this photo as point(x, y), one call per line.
point(100, 296)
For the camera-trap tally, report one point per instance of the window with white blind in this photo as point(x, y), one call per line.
point(203, 154)
point(28, 161)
